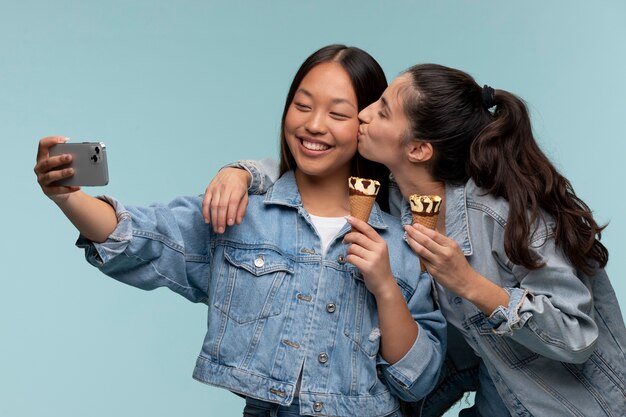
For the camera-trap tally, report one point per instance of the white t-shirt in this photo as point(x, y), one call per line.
point(327, 228)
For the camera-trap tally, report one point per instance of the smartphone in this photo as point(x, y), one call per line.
point(89, 163)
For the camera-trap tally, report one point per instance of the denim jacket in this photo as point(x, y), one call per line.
point(277, 308)
point(559, 347)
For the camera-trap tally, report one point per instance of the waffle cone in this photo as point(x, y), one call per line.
point(429, 221)
point(361, 206)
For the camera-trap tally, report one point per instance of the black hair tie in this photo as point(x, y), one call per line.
point(489, 99)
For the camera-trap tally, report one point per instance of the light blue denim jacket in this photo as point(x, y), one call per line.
point(559, 347)
point(277, 306)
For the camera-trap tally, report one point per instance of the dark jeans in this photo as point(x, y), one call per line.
point(258, 408)
point(463, 372)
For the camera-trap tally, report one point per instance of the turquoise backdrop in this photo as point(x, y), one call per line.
point(178, 88)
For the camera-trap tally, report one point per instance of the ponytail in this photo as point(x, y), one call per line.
point(498, 151)
point(507, 162)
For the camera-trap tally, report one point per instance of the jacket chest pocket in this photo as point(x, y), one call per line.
point(361, 324)
point(252, 284)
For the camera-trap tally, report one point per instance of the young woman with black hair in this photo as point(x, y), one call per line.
point(299, 322)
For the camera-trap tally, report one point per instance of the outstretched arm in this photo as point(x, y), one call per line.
point(94, 218)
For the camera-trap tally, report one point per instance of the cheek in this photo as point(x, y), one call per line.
point(290, 121)
point(348, 133)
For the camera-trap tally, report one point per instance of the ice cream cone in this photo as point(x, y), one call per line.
point(362, 197)
point(425, 211)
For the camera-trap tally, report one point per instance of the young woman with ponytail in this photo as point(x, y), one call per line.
point(518, 267)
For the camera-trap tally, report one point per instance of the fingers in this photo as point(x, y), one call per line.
point(46, 143)
point(219, 208)
point(225, 199)
point(358, 251)
point(53, 163)
point(433, 234)
point(225, 207)
point(361, 226)
point(358, 238)
point(241, 210)
point(206, 205)
point(424, 236)
point(423, 253)
point(46, 179)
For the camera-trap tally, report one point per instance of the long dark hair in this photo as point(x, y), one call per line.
point(499, 152)
point(368, 81)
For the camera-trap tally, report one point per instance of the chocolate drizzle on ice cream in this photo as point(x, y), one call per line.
point(362, 186)
point(425, 205)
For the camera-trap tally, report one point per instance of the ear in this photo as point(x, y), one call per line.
point(419, 151)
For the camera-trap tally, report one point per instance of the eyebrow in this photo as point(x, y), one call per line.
point(334, 101)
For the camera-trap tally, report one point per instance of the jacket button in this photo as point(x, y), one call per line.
point(331, 307)
point(322, 357)
point(259, 262)
point(317, 406)
point(341, 259)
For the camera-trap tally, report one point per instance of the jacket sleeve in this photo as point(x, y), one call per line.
point(157, 246)
point(551, 312)
point(264, 173)
point(417, 373)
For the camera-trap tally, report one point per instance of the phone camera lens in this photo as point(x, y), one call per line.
point(94, 158)
point(97, 149)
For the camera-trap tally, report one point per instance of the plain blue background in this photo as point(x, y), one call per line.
point(178, 88)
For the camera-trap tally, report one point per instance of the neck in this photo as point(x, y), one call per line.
point(324, 196)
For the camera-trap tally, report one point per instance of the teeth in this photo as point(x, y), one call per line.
point(315, 146)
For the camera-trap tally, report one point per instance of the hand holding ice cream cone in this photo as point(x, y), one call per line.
point(425, 211)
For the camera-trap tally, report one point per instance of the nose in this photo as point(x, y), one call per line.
point(365, 115)
point(315, 124)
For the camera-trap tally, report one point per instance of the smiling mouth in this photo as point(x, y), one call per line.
point(314, 146)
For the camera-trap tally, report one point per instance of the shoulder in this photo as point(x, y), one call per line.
point(493, 211)
point(478, 201)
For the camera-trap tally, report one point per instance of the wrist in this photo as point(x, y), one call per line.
point(60, 199)
point(387, 292)
point(484, 294)
point(245, 175)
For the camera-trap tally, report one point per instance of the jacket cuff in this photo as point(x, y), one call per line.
point(408, 370)
point(505, 320)
point(97, 254)
point(257, 183)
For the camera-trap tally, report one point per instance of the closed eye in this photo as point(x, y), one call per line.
point(339, 116)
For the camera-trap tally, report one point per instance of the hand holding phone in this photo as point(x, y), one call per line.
point(89, 161)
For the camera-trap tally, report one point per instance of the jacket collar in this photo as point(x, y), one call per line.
point(285, 192)
point(457, 227)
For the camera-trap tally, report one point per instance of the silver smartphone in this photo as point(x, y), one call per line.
point(89, 163)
